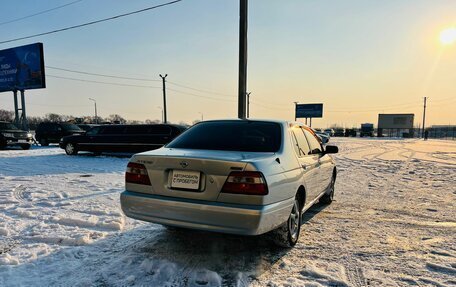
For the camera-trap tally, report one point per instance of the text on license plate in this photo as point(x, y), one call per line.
point(185, 179)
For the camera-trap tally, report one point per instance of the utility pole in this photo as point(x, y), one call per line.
point(202, 116)
point(424, 116)
point(164, 97)
point(96, 116)
point(242, 88)
point(161, 113)
point(248, 104)
point(296, 104)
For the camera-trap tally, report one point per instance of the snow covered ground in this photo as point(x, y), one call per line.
point(393, 224)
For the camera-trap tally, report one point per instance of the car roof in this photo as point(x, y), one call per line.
point(282, 122)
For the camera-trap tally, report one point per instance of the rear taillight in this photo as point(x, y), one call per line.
point(136, 173)
point(245, 182)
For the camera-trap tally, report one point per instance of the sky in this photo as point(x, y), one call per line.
point(359, 58)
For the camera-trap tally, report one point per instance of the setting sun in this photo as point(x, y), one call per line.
point(448, 36)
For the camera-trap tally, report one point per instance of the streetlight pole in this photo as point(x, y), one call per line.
point(96, 116)
point(202, 116)
point(165, 120)
point(424, 116)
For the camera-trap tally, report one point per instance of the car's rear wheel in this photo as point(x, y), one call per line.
point(44, 142)
point(287, 234)
point(328, 197)
point(71, 149)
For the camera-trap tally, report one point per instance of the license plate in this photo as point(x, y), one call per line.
point(185, 179)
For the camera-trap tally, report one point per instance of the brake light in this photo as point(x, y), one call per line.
point(245, 182)
point(137, 173)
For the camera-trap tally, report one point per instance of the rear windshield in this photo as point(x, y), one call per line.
point(70, 127)
point(245, 136)
point(7, 126)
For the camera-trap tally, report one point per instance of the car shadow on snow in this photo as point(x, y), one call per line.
point(311, 212)
point(152, 255)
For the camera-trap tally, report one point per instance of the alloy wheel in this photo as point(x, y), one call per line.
point(293, 221)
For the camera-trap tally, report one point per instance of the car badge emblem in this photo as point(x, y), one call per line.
point(184, 164)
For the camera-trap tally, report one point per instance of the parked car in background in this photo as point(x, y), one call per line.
point(329, 132)
point(233, 176)
point(350, 132)
point(86, 127)
point(121, 138)
point(10, 135)
point(48, 132)
point(339, 132)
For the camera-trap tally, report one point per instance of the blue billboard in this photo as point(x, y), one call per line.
point(309, 110)
point(22, 68)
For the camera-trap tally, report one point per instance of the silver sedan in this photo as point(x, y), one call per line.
point(244, 177)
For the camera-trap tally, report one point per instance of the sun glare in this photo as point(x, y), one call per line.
point(448, 36)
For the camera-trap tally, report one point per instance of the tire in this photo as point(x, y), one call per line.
point(71, 149)
point(287, 234)
point(44, 142)
point(328, 197)
point(26, 146)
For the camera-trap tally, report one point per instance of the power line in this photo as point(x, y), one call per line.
point(200, 96)
point(201, 90)
point(99, 82)
point(39, 13)
point(269, 106)
point(91, 23)
point(102, 75)
point(46, 105)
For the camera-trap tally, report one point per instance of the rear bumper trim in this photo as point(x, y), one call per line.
point(211, 216)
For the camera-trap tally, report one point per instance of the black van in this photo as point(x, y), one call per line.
point(48, 132)
point(121, 138)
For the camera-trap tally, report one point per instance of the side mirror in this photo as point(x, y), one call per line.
point(331, 149)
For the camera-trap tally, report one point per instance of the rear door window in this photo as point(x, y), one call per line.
point(315, 146)
point(301, 146)
point(93, 131)
point(113, 130)
point(137, 130)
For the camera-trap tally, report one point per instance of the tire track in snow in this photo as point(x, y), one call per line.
point(355, 274)
point(19, 193)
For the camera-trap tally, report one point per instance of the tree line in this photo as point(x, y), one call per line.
point(34, 121)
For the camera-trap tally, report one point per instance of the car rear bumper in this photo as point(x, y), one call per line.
point(211, 216)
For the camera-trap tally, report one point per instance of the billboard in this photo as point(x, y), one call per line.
point(22, 68)
point(309, 110)
point(395, 121)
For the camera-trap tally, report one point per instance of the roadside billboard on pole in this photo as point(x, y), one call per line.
point(22, 68)
point(309, 110)
point(395, 121)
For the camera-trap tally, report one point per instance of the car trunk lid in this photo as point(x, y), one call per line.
point(191, 174)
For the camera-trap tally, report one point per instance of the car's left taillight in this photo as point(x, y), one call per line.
point(137, 173)
point(245, 182)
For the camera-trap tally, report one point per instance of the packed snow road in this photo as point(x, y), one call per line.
point(393, 223)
